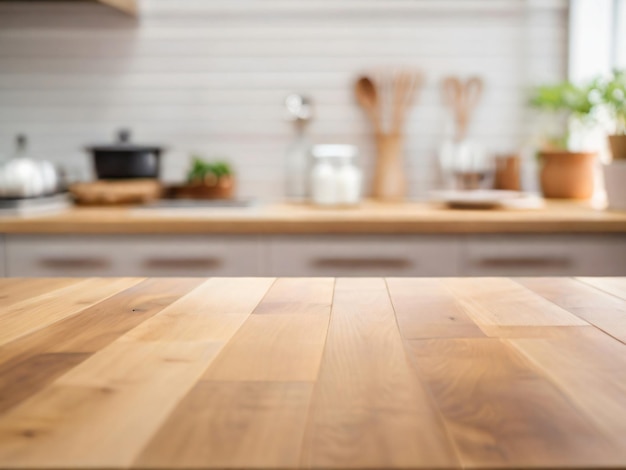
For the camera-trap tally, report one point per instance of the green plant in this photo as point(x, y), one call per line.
point(201, 170)
point(613, 92)
point(572, 104)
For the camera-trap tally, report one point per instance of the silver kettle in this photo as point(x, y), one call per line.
point(24, 177)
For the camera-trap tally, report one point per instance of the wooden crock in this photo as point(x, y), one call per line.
point(389, 176)
point(567, 175)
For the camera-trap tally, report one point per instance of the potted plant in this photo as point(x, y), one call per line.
point(613, 92)
point(207, 180)
point(614, 98)
point(567, 168)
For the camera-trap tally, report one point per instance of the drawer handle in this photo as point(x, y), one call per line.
point(363, 263)
point(182, 263)
point(524, 262)
point(74, 263)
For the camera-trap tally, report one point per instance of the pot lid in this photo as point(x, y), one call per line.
point(123, 144)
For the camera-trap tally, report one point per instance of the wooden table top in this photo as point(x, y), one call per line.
point(370, 217)
point(313, 373)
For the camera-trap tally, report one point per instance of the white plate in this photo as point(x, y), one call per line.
point(487, 199)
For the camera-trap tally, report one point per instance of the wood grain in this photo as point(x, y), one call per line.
point(425, 308)
point(596, 306)
point(29, 315)
point(495, 302)
point(320, 373)
point(297, 296)
point(241, 424)
point(129, 386)
point(284, 338)
point(501, 412)
point(14, 290)
point(35, 360)
point(590, 368)
point(615, 285)
point(369, 410)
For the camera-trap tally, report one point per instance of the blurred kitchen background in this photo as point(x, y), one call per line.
point(211, 76)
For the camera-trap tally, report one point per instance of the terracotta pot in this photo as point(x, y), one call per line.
point(618, 146)
point(222, 188)
point(567, 175)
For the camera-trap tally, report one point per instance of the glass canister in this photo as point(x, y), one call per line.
point(336, 179)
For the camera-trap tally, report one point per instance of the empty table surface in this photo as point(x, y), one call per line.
point(312, 373)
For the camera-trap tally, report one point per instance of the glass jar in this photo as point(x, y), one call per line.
point(335, 178)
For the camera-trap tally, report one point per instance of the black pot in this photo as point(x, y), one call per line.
point(125, 160)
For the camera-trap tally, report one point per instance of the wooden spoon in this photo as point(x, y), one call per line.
point(368, 98)
point(472, 92)
point(452, 92)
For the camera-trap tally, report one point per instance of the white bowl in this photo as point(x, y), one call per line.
point(615, 184)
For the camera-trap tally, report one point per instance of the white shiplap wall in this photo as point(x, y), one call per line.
point(211, 75)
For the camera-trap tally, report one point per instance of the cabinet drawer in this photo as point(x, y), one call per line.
point(363, 256)
point(136, 255)
point(195, 256)
point(545, 255)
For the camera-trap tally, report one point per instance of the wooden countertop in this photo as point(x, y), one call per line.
point(313, 373)
point(371, 217)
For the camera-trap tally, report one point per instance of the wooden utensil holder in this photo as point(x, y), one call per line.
point(389, 177)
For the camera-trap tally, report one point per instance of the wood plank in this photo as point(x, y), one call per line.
point(613, 285)
point(593, 305)
point(298, 296)
point(20, 379)
point(284, 338)
point(258, 388)
point(502, 412)
point(369, 409)
point(14, 290)
point(502, 302)
point(233, 425)
point(31, 362)
point(130, 386)
point(273, 348)
point(590, 368)
point(30, 315)
point(425, 308)
point(213, 307)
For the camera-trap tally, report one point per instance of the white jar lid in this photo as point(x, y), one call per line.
point(334, 150)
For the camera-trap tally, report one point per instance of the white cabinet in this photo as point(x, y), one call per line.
point(364, 255)
point(545, 255)
point(311, 255)
point(133, 255)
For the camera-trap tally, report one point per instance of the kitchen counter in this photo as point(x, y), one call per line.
point(370, 217)
point(313, 373)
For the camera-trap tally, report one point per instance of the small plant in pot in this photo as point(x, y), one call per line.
point(614, 98)
point(208, 180)
point(567, 168)
point(613, 93)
